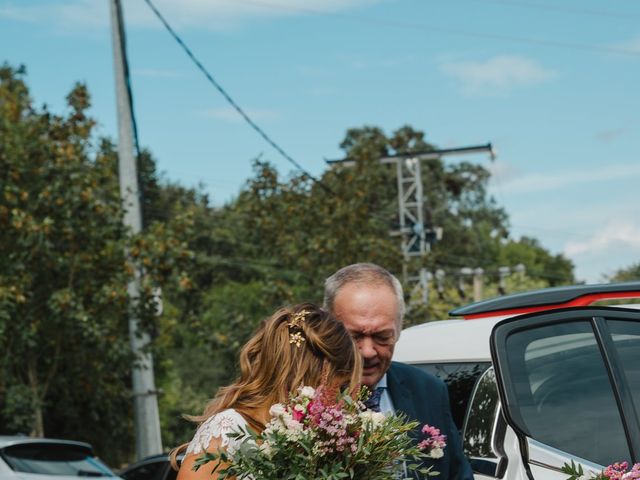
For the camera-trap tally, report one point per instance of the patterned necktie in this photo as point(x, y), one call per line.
point(373, 402)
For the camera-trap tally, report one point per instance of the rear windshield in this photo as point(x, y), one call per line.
point(54, 459)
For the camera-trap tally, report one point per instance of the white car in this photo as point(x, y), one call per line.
point(25, 458)
point(539, 379)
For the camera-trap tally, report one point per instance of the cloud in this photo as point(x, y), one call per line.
point(540, 182)
point(205, 14)
point(85, 13)
point(229, 114)
point(498, 74)
point(613, 236)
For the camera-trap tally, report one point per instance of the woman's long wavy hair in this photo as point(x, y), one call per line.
point(273, 364)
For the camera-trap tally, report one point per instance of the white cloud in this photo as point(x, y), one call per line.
point(229, 114)
point(612, 246)
point(498, 74)
point(613, 236)
point(86, 13)
point(206, 14)
point(539, 182)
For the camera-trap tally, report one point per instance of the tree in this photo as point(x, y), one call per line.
point(314, 228)
point(66, 360)
point(628, 274)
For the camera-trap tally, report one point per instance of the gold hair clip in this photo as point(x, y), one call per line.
point(295, 328)
point(296, 338)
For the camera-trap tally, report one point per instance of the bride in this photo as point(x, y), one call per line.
point(296, 346)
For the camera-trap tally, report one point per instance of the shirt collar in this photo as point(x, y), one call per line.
point(383, 382)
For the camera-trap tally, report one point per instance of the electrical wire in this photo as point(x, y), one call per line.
point(446, 30)
point(230, 100)
point(631, 16)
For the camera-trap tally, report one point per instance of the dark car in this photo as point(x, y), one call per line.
point(155, 467)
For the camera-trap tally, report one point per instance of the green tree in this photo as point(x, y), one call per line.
point(314, 228)
point(66, 361)
point(627, 274)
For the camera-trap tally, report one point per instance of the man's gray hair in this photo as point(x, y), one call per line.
point(363, 274)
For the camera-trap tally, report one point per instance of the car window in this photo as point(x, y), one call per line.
point(626, 339)
point(54, 459)
point(461, 379)
point(562, 393)
point(147, 471)
point(478, 428)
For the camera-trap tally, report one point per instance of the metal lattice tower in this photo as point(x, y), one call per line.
point(415, 237)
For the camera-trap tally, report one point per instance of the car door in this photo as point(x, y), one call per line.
point(569, 387)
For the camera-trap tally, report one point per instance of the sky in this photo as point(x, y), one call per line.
point(552, 85)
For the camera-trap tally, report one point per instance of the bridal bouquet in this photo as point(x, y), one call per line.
point(322, 434)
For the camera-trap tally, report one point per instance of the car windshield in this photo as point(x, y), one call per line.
point(54, 459)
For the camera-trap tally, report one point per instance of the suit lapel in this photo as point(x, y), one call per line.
point(400, 394)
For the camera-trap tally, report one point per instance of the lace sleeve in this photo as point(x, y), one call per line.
point(217, 427)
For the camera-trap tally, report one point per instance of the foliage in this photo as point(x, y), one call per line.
point(277, 241)
point(312, 229)
point(628, 274)
point(65, 358)
point(64, 309)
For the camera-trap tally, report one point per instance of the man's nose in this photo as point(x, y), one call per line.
point(366, 347)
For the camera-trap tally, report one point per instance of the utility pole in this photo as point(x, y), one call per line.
point(147, 419)
point(478, 283)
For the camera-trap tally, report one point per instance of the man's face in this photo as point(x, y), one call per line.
point(369, 312)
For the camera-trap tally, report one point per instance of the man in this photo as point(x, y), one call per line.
point(369, 301)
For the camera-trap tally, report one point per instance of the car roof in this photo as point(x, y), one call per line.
point(446, 341)
point(452, 341)
point(8, 440)
point(549, 299)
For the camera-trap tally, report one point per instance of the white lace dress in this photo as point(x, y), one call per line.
point(219, 426)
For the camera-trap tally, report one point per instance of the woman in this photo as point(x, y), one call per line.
point(296, 346)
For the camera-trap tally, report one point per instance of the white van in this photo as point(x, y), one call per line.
point(539, 379)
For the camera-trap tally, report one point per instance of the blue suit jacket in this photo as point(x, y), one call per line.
point(425, 398)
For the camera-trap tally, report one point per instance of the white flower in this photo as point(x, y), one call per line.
point(436, 453)
point(267, 448)
point(293, 425)
point(277, 410)
point(308, 392)
point(375, 419)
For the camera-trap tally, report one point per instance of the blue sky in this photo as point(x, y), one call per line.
point(553, 85)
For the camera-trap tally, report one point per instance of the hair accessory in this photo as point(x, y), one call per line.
point(295, 328)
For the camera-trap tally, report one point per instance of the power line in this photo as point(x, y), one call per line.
point(561, 8)
point(229, 99)
point(447, 31)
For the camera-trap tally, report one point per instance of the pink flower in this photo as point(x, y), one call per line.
point(435, 443)
point(616, 471)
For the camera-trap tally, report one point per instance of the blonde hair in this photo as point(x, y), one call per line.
point(273, 364)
